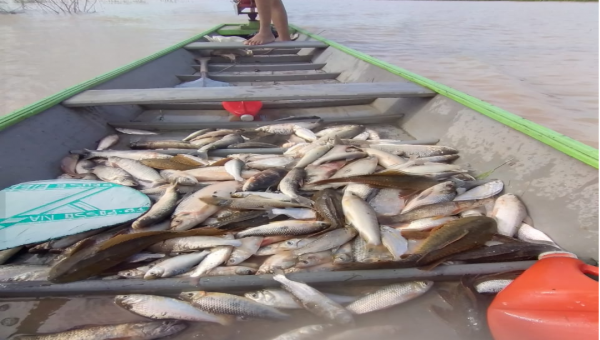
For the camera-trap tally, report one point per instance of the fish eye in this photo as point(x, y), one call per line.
point(254, 295)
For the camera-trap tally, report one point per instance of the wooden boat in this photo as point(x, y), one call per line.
point(555, 176)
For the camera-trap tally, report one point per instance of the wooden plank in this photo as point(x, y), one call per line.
point(239, 45)
point(260, 68)
point(237, 283)
point(279, 104)
point(264, 59)
point(230, 78)
point(157, 125)
point(241, 93)
point(278, 51)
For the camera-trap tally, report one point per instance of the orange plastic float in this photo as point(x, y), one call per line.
point(553, 299)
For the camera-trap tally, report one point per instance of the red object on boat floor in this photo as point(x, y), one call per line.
point(243, 108)
point(552, 300)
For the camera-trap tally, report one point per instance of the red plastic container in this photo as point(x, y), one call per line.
point(248, 109)
point(552, 300)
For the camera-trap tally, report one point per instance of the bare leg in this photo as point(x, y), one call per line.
point(264, 35)
point(280, 20)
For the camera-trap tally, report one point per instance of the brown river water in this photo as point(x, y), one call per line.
point(538, 60)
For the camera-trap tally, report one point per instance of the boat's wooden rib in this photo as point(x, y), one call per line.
point(158, 125)
point(291, 51)
point(261, 68)
point(279, 104)
point(241, 283)
point(240, 93)
point(230, 78)
point(239, 45)
point(264, 59)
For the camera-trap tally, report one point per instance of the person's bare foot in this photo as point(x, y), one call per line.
point(260, 39)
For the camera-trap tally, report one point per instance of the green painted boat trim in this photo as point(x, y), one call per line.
point(48, 102)
point(562, 143)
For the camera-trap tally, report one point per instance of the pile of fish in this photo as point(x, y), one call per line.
point(293, 196)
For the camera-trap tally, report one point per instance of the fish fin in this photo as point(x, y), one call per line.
point(415, 234)
point(447, 296)
point(431, 266)
point(449, 242)
point(80, 245)
point(448, 315)
point(506, 239)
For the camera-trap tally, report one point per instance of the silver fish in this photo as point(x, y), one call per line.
point(192, 211)
point(249, 203)
point(277, 298)
point(530, 234)
point(232, 270)
point(196, 134)
point(135, 131)
point(303, 333)
point(281, 260)
point(287, 128)
point(313, 155)
point(425, 223)
point(13, 273)
point(362, 217)
point(315, 173)
point(434, 210)
point(160, 307)
point(221, 303)
point(486, 190)
point(289, 227)
point(315, 301)
point(269, 195)
point(389, 296)
point(340, 152)
point(107, 142)
point(291, 244)
point(343, 254)
point(363, 191)
point(359, 167)
point(137, 155)
point(216, 173)
point(114, 175)
point(282, 162)
point(305, 134)
point(175, 265)
point(84, 166)
point(314, 259)
point(192, 243)
point(415, 150)
point(223, 142)
point(345, 133)
point(160, 211)
point(438, 193)
point(328, 240)
point(248, 248)
point(68, 164)
point(295, 213)
point(137, 330)
point(385, 159)
point(6, 254)
point(234, 167)
point(365, 253)
point(386, 202)
point(217, 257)
point(143, 256)
point(290, 184)
point(336, 128)
point(178, 177)
point(509, 213)
point(362, 136)
point(393, 240)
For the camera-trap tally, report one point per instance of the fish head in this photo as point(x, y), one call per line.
point(126, 181)
point(166, 328)
point(342, 258)
point(262, 296)
point(191, 296)
point(447, 187)
point(128, 301)
point(154, 273)
point(183, 221)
